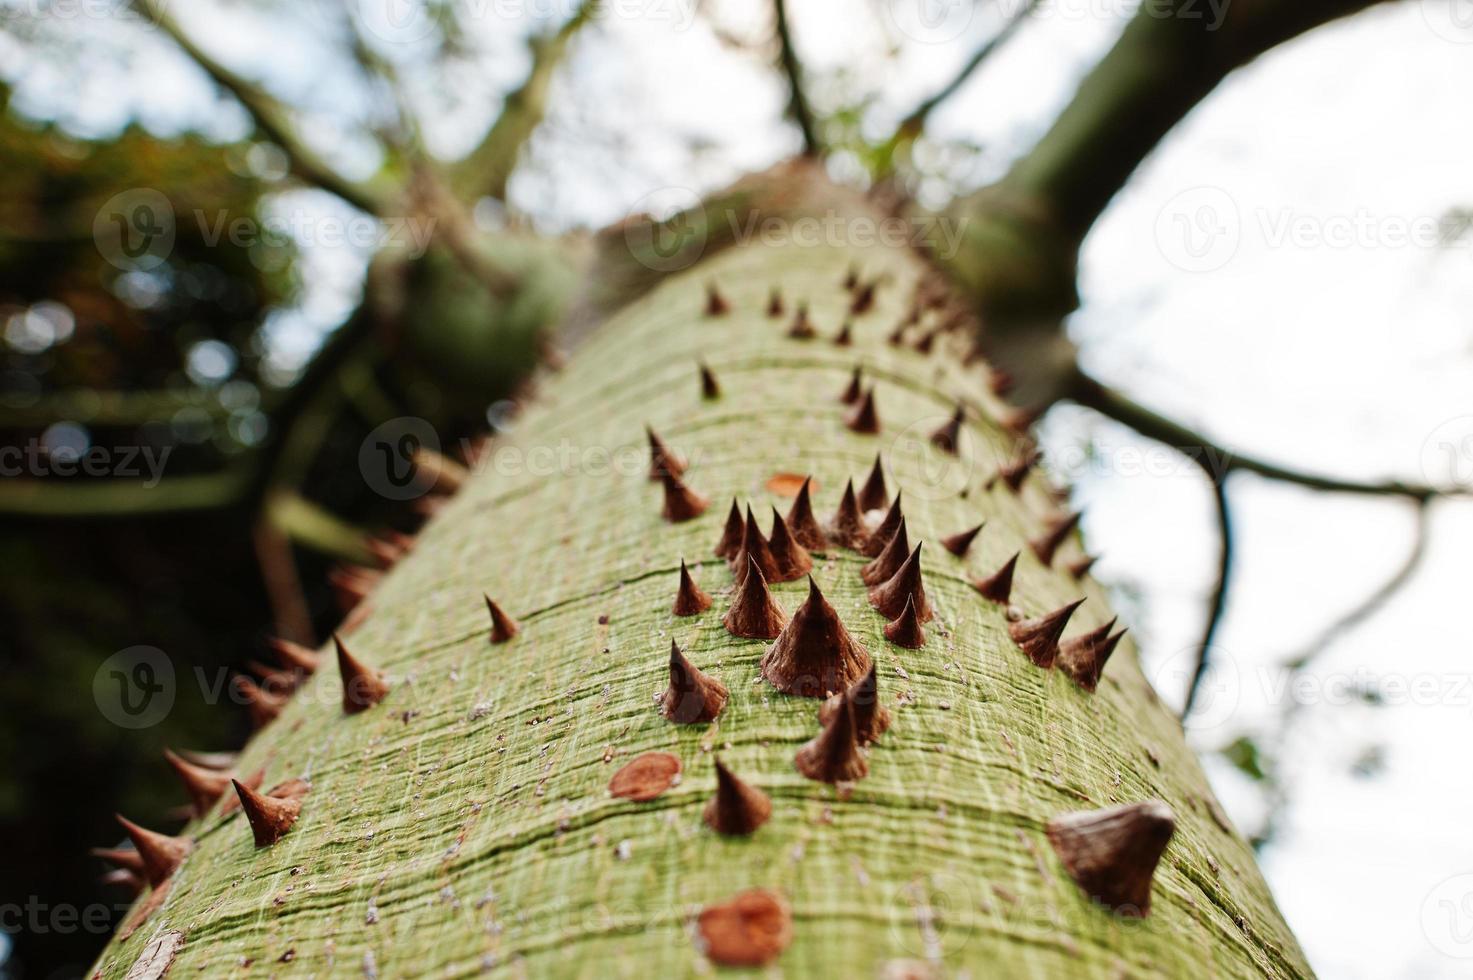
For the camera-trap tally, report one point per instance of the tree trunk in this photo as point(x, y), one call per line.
point(464, 821)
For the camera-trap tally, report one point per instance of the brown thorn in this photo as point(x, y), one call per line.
point(693, 697)
point(294, 656)
point(854, 391)
point(438, 472)
point(204, 786)
point(130, 881)
point(881, 535)
point(125, 859)
point(833, 755)
point(730, 544)
point(270, 817)
point(1015, 471)
point(756, 548)
point(864, 298)
point(262, 705)
point(801, 521)
point(793, 560)
point(851, 277)
point(814, 655)
point(1078, 568)
point(958, 544)
point(775, 303)
point(681, 502)
point(906, 631)
point(737, 809)
point(1046, 544)
point(663, 459)
point(362, 687)
point(847, 528)
point(801, 327)
point(999, 585)
point(884, 565)
point(890, 597)
point(753, 613)
point(503, 627)
point(871, 718)
point(160, 853)
point(864, 418)
point(1039, 638)
point(845, 336)
point(1112, 853)
point(873, 495)
point(689, 599)
point(948, 437)
point(1083, 658)
point(710, 387)
point(716, 304)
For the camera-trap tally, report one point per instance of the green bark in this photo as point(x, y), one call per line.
point(475, 831)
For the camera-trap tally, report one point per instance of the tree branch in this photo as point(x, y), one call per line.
point(798, 106)
point(1220, 592)
point(272, 118)
point(1220, 461)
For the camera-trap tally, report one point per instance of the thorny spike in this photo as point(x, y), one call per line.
point(1083, 657)
point(958, 544)
point(362, 687)
point(681, 502)
point(890, 597)
point(1079, 567)
point(663, 459)
point(204, 786)
point(1047, 543)
point(1020, 420)
point(756, 548)
point(125, 859)
point(889, 524)
point(775, 303)
point(864, 298)
point(851, 277)
point(730, 544)
point(814, 656)
point(847, 528)
point(873, 495)
point(855, 389)
point(270, 817)
point(753, 613)
point(710, 387)
point(906, 631)
point(689, 599)
point(274, 678)
point(884, 565)
point(802, 327)
point(802, 523)
point(693, 697)
point(262, 705)
point(833, 755)
point(737, 809)
point(294, 656)
point(948, 437)
point(926, 341)
point(160, 853)
point(1039, 638)
point(1015, 471)
point(716, 304)
point(864, 418)
point(131, 882)
point(1112, 853)
point(503, 627)
point(999, 585)
point(351, 585)
point(437, 471)
point(793, 560)
point(845, 336)
point(871, 718)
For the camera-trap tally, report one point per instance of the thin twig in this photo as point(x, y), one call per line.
point(798, 105)
point(1220, 593)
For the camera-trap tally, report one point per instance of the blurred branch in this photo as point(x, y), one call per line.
point(914, 124)
point(117, 498)
point(1220, 591)
point(291, 618)
point(272, 118)
point(798, 106)
point(486, 169)
point(1112, 404)
point(313, 527)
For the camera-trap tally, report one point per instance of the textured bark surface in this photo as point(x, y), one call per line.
point(464, 823)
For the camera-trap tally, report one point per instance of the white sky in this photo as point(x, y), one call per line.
point(1341, 355)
